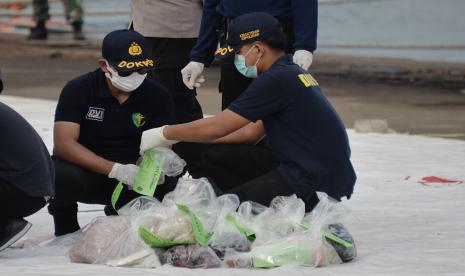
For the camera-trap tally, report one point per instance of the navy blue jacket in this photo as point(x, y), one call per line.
point(304, 14)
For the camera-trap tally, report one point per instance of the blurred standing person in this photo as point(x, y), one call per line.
point(171, 27)
point(73, 12)
point(299, 19)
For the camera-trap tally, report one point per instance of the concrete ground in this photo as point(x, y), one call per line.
point(40, 70)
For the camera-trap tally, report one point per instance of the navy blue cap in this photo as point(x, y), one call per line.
point(247, 28)
point(126, 50)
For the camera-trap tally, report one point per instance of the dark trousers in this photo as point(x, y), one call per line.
point(74, 184)
point(170, 56)
point(186, 107)
point(15, 203)
point(232, 83)
point(249, 171)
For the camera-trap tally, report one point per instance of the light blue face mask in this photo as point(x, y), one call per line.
point(239, 62)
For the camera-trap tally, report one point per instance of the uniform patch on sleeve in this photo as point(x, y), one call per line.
point(95, 114)
point(307, 80)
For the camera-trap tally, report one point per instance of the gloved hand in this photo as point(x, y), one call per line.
point(124, 173)
point(303, 58)
point(153, 138)
point(192, 74)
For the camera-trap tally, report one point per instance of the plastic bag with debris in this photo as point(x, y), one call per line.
point(283, 217)
point(159, 162)
point(296, 249)
point(158, 225)
point(111, 238)
point(196, 199)
point(185, 216)
point(308, 242)
point(326, 219)
point(193, 256)
point(229, 234)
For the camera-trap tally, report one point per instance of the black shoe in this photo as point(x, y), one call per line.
point(77, 32)
point(12, 231)
point(39, 32)
point(347, 251)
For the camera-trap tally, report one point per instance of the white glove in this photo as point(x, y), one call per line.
point(192, 74)
point(124, 173)
point(303, 58)
point(153, 138)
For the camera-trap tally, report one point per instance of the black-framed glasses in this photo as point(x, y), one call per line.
point(141, 71)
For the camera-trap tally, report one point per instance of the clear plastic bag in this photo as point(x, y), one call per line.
point(326, 219)
point(198, 195)
point(185, 216)
point(172, 164)
point(302, 248)
point(227, 234)
point(284, 216)
point(286, 237)
point(193, 256)
point(105, 239)
point(153, 220)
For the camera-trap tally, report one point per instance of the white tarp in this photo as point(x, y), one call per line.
point(401, 227)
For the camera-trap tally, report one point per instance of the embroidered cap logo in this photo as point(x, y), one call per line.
point(135, 49)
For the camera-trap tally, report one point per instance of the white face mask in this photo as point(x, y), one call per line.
point(126, 84)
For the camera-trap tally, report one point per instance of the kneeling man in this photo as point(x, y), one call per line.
point(99, 121)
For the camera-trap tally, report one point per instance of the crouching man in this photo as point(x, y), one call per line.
point(26, 175)
point(99, 121)
point(304, 131)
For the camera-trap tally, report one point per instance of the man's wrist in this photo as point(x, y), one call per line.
point(164, 131)
point(114, 168)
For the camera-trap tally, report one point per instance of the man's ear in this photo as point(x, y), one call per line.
point(261, 48)
point(103, 65)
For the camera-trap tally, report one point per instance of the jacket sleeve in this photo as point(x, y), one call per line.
point(207, 41)
point(305, 20)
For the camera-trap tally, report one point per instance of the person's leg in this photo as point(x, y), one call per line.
point(230, 166)
point(232, 83)
point(192, 153)
point(14, 206)
point(74, 14)
point(74, 184)
point(170, 56)
point(40, 16)
point(268, 186)
point(186, 106)
point(263, 189)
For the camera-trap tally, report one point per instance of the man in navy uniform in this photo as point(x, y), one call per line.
point(26, 175)
point(299, 19)
point(99, 121)
point(303, 129)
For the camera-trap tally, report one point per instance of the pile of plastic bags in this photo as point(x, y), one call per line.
point(194, 228)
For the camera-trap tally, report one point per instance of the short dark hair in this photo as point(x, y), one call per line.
point(277, 41)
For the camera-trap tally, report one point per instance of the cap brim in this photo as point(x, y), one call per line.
point(132, 65)
point(224, 52)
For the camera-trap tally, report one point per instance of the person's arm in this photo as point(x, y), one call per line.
point(207, 40)
point(200, 131)
point(249, 134)
point(208, 129)
point(305, 21)
point(67, 147)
